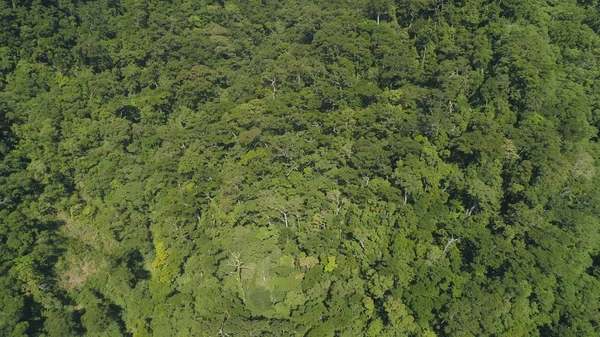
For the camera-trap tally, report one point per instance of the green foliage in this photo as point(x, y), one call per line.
point(331, 265)
point(294, 168)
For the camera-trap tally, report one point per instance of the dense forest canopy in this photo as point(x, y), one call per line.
point(299, 168)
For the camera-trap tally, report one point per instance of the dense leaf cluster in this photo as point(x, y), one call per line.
point(299, 168)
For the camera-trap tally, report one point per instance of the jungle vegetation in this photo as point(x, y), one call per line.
point(307, 168)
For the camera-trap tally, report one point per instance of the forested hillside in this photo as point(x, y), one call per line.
point(299, 168)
